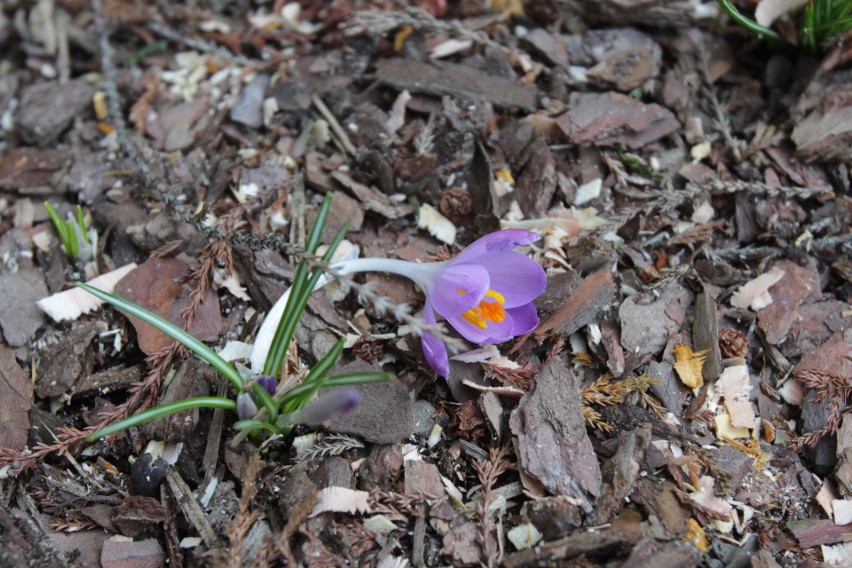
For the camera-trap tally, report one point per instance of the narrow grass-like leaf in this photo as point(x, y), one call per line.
point(753, 26)
point(314, 380)
point(256, 425)
point(172, 331)
point(303, 286)
point(825, 19)
point(319, 226)
point(81, 222)
point(164, 410)
point(347, 380)
point(266, 400)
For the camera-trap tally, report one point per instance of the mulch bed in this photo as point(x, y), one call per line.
point(681, 403)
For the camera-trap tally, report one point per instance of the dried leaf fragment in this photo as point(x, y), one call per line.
point(705, 499)
point(696, 536)
point(438, 226)
point(341, 500)
point(524, 536)
point(688, 365)
point(71, 304)
point(754, 294)
point(734, 386)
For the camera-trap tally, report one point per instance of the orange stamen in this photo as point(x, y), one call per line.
point(486, 311)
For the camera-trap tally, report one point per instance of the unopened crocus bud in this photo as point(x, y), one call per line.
point(246, 408)
point(267, 382)
point(327, 406)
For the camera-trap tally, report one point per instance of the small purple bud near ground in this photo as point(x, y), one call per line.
point(327, 406)
point(268, 383)
point(246, 408)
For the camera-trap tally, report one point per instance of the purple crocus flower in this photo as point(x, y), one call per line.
point(485, 293)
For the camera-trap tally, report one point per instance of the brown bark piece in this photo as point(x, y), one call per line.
point(824, 135)
point(373, 199)
point(16, 398)
point(623, 472)
point(787, 294)
point(815, 532)
point(440, 78)
point(705, 335)
point(122, 552)
point(48, 108)
point(672, 554)
point(624, 532)
point(188, 382)
point(619, 58)
point(668, 13)
point(607, 119)
point(84, 546)
point(553, 445)
point(832, 355)
point(588, 299)
point(25, 543)
point(155, 285)
point(66, 362)
point(423, 479)
point(537, 181)
point(31, 171)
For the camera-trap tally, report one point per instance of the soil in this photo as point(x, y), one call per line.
point(682, 401)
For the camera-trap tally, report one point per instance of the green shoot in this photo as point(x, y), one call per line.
point(279, 413)
point(824, 19)
point(71, 231)
point(820, 21)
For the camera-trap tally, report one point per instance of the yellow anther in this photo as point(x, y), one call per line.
point(486, 311)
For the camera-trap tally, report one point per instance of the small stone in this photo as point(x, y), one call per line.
point(248, 110)
point(333, 471)
point(385, 414)
point(734, 462)
point(556, 516)
point(381, 468)
point(423, 417)
point(645, 321)
point(48, 108)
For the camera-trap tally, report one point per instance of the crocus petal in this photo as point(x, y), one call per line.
point(525, 318)
point(327, 406)
point(494, 333)
point(518, 278)
point(458, 288)
point(433, 348)
point(499, 240)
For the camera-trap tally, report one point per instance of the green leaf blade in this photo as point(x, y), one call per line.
point(173, 331)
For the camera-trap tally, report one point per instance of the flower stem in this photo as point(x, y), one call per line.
point(421, 274)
